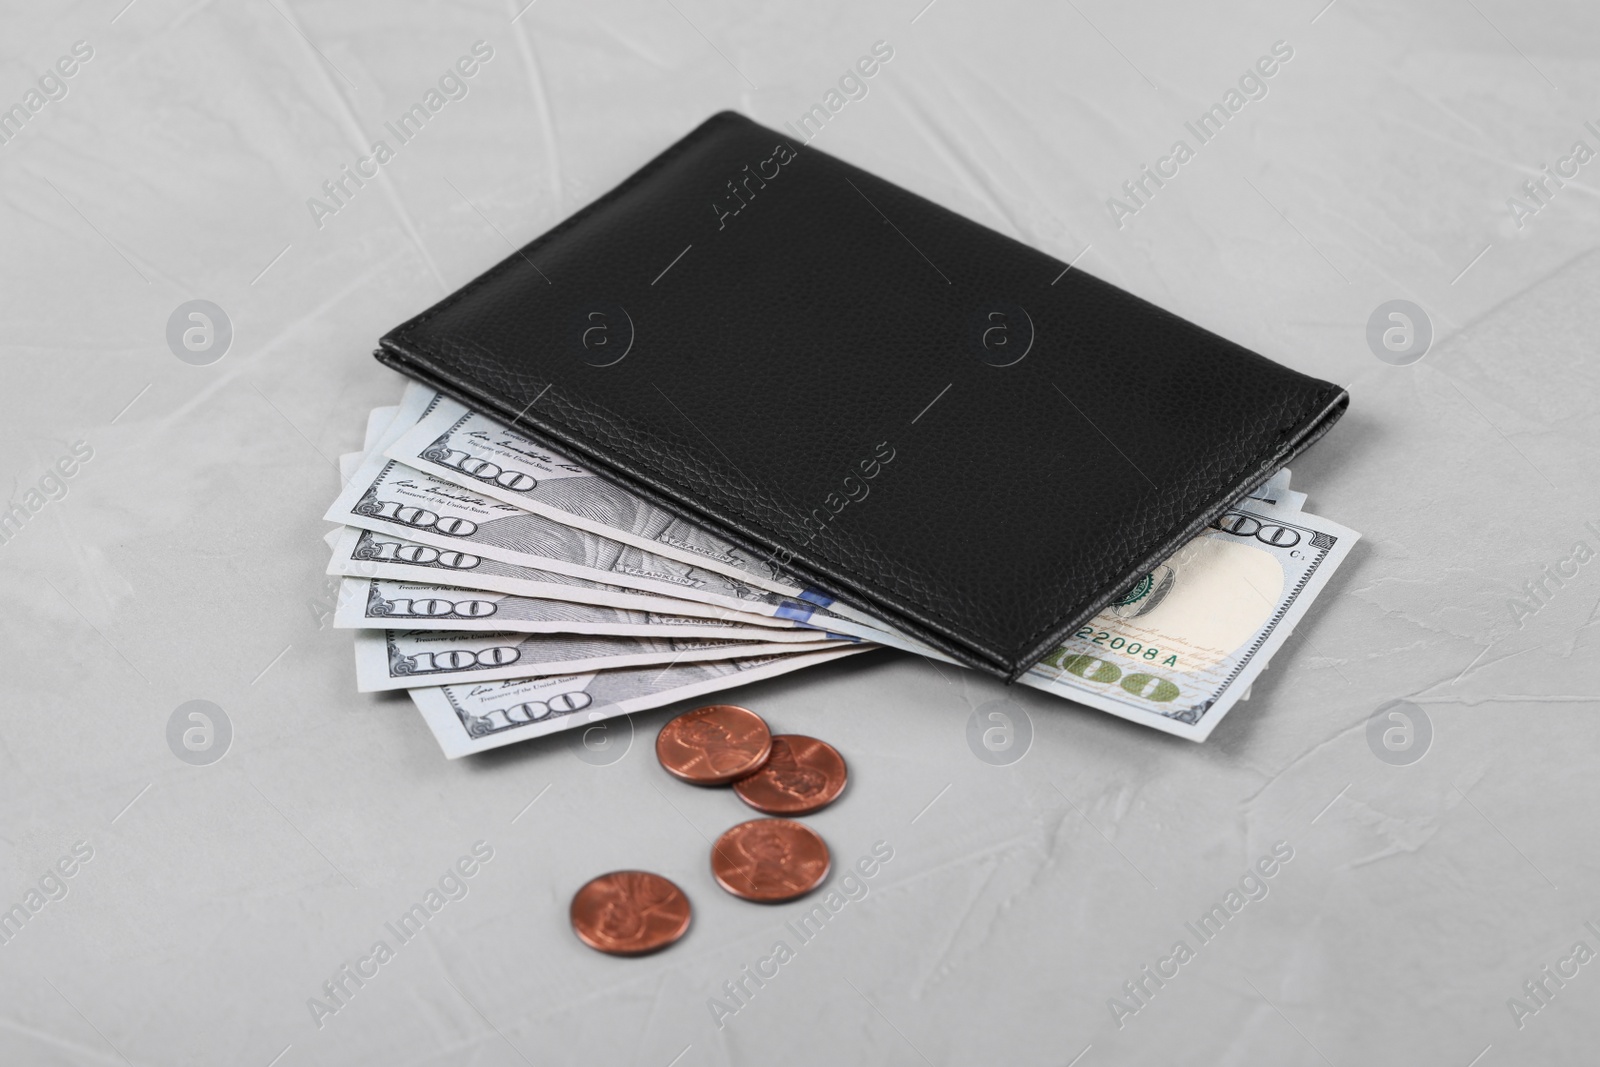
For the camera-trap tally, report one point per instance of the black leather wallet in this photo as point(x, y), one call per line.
point(918, 416)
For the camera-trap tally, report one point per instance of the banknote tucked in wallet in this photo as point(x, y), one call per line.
point(859, 400)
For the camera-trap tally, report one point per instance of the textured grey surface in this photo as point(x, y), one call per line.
point(184, 561)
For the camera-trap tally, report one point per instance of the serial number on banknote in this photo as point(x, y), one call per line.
point(1133, 649)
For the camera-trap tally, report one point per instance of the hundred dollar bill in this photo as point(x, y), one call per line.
point(474, 718)
point(473, 450)
point(403, 659)
point(364, 554)
point(379, 603)
point(388, 497)
point(1182, 646)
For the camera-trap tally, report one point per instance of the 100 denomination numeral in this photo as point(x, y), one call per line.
point(528, 711)
point(1151, 687)
point(435, 608)
point(417, 518)
point(481, 469)
point(422, 555)
point(456, 659)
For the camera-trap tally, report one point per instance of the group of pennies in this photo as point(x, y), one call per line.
point(630, 913)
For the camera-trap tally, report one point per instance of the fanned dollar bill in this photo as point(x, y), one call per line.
point(473, 450)
point(1177, 650)
point(364, 554)
point(388, 497)
point(403, 659)
point(474, 718)
point(380, 603)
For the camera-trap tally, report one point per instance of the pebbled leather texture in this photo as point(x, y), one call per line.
point(780, 336)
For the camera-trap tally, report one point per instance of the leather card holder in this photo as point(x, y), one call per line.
point(908, 412)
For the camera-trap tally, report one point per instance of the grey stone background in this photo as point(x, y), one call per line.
point(185, 560)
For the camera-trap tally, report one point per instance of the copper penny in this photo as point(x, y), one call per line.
point(770, 860)
point(714, 745)
point(630, 913)
point(801, 776)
